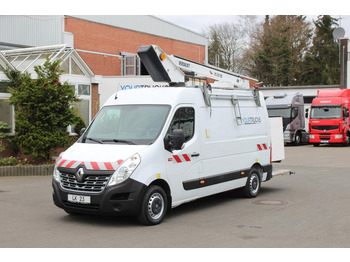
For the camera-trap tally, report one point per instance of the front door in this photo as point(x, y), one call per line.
point(184, 165)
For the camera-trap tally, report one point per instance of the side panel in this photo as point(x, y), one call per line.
point(228, 147)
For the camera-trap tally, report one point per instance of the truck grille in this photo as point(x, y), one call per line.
point(325, 127)
point(91, 183)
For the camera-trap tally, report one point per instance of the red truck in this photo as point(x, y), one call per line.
point(329, 117)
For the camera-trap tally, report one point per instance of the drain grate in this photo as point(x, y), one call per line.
point(270, 202)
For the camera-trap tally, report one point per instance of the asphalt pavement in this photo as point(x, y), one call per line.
point(309, 209)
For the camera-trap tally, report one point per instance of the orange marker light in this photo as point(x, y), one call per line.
point(202, 182)
point(162, 57)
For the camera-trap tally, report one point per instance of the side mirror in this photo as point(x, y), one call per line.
point(307, 113)
point(175, 140)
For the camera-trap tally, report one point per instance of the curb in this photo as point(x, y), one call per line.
point(43, 170)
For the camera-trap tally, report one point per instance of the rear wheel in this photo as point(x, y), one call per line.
point(153, 207)
point(252, 186)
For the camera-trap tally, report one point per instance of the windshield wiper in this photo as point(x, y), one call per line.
point(119, 141)
point(94, 139)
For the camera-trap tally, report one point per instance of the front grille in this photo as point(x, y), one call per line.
point(91, 183)
point(325, 137)
point(324, 127)
point(77, 205)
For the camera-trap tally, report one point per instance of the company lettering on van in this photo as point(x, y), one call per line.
point(181, 63)
point(130, 86)
point(251, 120)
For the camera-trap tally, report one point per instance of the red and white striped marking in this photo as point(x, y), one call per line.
point(262, 147)
point(89, 164)
point(181, 158)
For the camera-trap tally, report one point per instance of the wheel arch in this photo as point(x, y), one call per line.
point(163, 184)
point(259, 167)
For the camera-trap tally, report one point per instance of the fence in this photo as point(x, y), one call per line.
point(43, 170)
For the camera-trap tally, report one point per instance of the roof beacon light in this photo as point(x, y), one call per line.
point(162, 57)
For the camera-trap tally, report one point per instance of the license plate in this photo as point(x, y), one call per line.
point(79, 199)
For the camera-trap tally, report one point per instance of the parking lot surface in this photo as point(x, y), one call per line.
point(307, 209)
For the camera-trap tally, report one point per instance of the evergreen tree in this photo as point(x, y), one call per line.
point(278, 50)
point(322, 62)
point(42, 109)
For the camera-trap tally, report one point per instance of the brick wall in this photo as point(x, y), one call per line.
point(113, 40)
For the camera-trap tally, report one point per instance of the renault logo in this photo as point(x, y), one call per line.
point(80, 175)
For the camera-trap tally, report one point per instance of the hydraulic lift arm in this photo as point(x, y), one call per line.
point(173, 69)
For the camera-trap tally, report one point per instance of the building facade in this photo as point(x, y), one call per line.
point(107, 45)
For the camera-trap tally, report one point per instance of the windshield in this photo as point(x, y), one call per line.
point(131, 124)
point(279, 112)
point(325, 112)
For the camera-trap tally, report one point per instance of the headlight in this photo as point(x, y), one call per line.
point(312, 136)
point(56, 174)
point(338, 136)
point(125, 170)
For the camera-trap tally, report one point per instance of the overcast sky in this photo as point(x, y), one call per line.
point(194, 15)
point(198, 23)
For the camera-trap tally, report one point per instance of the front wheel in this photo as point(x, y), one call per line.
point(153, 207)
point(252, 186)
point(297, 140)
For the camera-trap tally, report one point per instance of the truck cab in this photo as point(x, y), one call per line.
point(329, 117)
point(291, 108)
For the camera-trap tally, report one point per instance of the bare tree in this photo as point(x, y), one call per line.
point(228, 42)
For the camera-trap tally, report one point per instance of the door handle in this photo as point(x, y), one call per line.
point(195, 155)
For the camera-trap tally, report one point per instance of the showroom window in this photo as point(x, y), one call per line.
point(82, 108)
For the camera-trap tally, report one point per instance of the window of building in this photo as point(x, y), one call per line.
point(83, 90)
point(130, 64)
point(71, 67)
point(6, 112)
point(4, 87)
point(82, 108)
point(183, 119)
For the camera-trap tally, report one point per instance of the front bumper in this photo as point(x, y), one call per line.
point(288, 137)
point(122, 199)
point(327, 138)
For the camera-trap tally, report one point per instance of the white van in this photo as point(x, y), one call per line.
point(149, 150)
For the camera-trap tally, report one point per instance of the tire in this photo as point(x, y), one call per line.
point(316, 144)
point(297, 140)
point(153, 206)
point(253, 184)
point(347, 142)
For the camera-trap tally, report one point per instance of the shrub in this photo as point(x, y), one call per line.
point(4, 133)
point(8, 161)
point(42, 109)
point(79, 124)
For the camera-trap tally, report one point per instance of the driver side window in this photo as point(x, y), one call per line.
point(183, 119)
